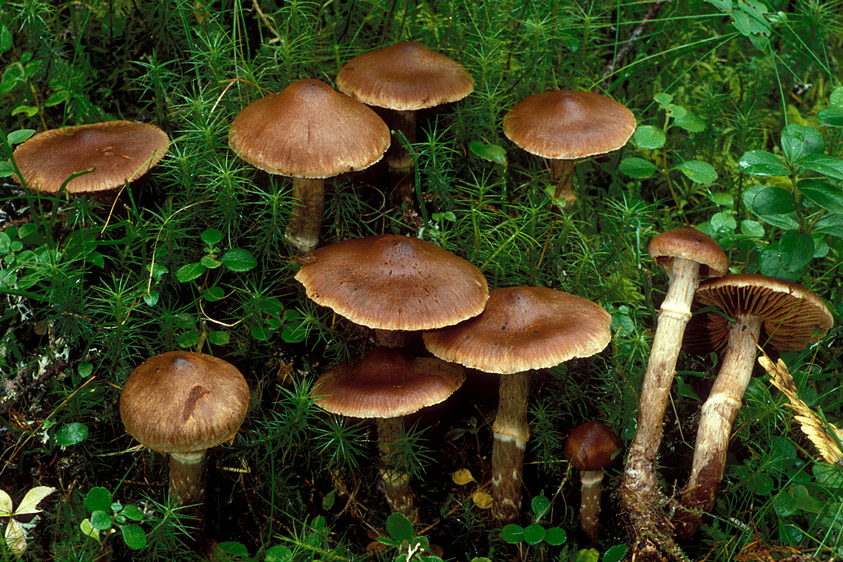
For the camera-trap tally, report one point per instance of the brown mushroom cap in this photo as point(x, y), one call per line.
point(689, 244)
point(568, 124)
point(385, 384)
point(524, 328)
point(179, 402)
point(405, 76)
point(792, 317)
point(308, 130)
point(591, 446)
point(116, 151)
point(392, 282)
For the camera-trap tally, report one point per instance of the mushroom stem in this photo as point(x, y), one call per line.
point(511, 436)
point(187, 477)
point(718, 415)
point(592, 486)
point(306, 220)
point(639, 484)
point(398, 493)
point(390, 338)
point(399, 160)
point(562, 172)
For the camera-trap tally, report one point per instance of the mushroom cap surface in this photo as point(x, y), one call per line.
point(116, 151)
point(179, 402)
point(524, 328)
point(385, 384)
point(591, 446)
point(568, 124)
point(308, 130)
point(689, 244)
point(392, 282)
point(405, 76)
point(792, 317)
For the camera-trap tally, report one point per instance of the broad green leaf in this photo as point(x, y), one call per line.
point(260, 333)
point(769, 264)
point(238, 259)
point(647, 136)
point(101, 520)
point(824, 164)
point(132, 512)
point(98, 498)
point(784, 503)
point(233, 548)
point(214, 294)
point(799, 141)
point(85, 370)
point(689, 121)
point(151, 298)
point(722, 198)
point(28, 110)
point(212, 236)
point(828, 475)
point(490, 152)
point(534, 534)
point(831, 116)
point(189, 339)
point(399, 527)
point(5, 39)
point(88, 529)
point(16, 137)
point(772, 201)
point(761, 163)
point(190, 272)
point(663, 99)
point(836, 98)
point(637, 168)
point(723, 5)
point(698, 172)
point(824, 195)
point(753, 229)
point(6, 169)
point(219, 337)
point(539, 504)
point(831, 225)
point(586, 555)
point(512, 534)
point(71, 434)
point(278, 553)
point(615, 553)
point(210, 262)
point(134, 536)
point(723, 222)
point(555, 536)
point(796, 249)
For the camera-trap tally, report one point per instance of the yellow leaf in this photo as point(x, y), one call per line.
point(462, 477)
point(15, 538)
point(31, 499)
point(5, 504)
point(481, 499)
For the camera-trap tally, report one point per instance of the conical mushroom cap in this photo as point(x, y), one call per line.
point(568, 124)
point(308, 130)
point(524, 328)
point(792, 317)
point(115, 151)
point(405, 76)
point(179, 402)
point(385, 384)
point(392, 282)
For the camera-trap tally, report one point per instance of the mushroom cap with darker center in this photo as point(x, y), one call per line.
point(568, 124)
point(689, 244)
point(591, 446)
point(392, 282)
point(405, 76)
point(179, 402)
point(385, 384)
point(792, 317)
point(116, 151)
point(524, 328)
point(308, 130)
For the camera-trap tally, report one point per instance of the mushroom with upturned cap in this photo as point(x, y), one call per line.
point(566, 125)
point(310, 132)
point(521, 329)
point(385, 385)
point(763, 311)
point(591, 447)
point(116, 152)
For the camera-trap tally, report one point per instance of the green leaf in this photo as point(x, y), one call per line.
point(28, 110)
point(88, 529)
point(210, 262)
point(238, 259)
point(85, 370)
point(71, 434)
point(784, 503)
point(663, 99)
point(769, 264)
point(213, 294)
point(555, 536)
point(698, 172)
point(761, 163)
point(831, 117)
point(796, 249)
point(722, 198)
point(16, 137)
point(100, 520)
point(637, 168)
point(151, 298)
point(687, 120)
point(260, 333)
point(399, 527)
point(799, 141)
point(132, 512)
point(723, 5)
point(294, 331)
point(828, 475)
point(539, 504)
point(490, 152)
point(615, 553)
point(824, 195)
point(98, 498)
point(190, 272)
point(772, 201)
point(212, 236)
point(586, 555)
point(6, 169)
point(134, 536)
point(649, 137)
point(534, 534)
point(233, 548)
point(824, 164)
point(752, 229)
point(512, 534)
point(278, 554)
point(189, 339)
point(5, 39)
point(219, 337)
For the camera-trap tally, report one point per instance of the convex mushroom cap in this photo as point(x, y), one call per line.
point(591, 446)
point(692, 245)
point(405, 76)
point(392, 282)
point(179, 402)
point(116, 151)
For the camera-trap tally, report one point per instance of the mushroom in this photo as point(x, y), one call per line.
point(687, 255)
point(184, 403)
point(386, 385)
point(393, 283)
point(591, 447)
point(311, 132)
point(566, 125)
point(116, 152)
point(521, 329)
point(404, 77)
point(753, 309)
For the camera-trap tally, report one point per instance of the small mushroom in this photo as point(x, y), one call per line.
point(116, 152)
point(385, 385)
point(567, 125)
point(521, 329)
point(311, 132)
point(591, 447)
point(756, 310)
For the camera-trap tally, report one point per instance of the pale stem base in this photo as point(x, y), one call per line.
point(592, 486)
point(511, 436)
point(562, 172)
point(398, 493)
point(305, 224)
